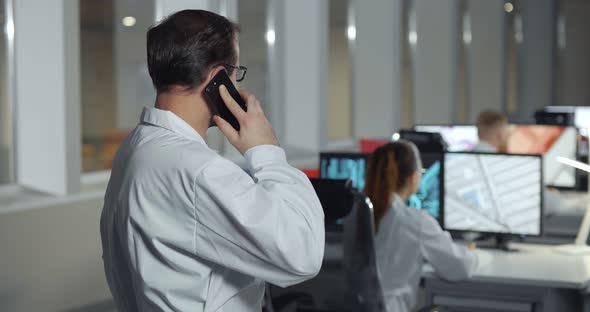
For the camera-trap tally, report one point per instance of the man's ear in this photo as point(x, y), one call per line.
point(213, 71)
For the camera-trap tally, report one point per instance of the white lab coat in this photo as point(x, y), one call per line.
point(406, 238)
point(184, 229)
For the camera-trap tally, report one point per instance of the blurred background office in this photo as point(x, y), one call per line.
point(73, 81)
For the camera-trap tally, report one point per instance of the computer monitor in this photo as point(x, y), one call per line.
point(337, 200)
point(582, 122)
point(344, 166)
point(429, 195)
point(543, 117)
point(582, 117)
point(493, 193)
point(551, 142)
point(457, 137)
point(581, 114)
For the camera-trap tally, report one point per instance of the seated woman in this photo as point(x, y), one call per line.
point(406, 237)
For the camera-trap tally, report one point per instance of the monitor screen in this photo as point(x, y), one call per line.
point(494, 193)
point(581, 114)
point(582, 117)
point(344, 166)
point(458, 138)
point(428, 197)
point(551, 142)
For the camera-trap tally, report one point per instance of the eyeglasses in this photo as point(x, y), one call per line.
point(240, 70)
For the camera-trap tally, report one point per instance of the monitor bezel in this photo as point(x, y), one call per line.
point(542, 201)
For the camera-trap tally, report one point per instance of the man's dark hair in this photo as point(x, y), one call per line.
point(182, 48)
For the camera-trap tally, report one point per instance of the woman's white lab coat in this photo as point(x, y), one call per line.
point(406, 238)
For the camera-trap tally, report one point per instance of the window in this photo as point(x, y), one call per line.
point(462, 108)
point(254, 48)
point(572, 65)
point(342, 33)
point(114, 77)
point(6, 92)
point(514, 37)
point(408, 44)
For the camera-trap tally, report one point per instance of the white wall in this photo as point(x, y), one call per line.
point(48, 95)
point(167, 7)
point(536, 58)
point(573, 67)
point(339, 111)
point(304, 57)
point(486, 57)
point(377, 68)
point(51, 258)
point(435, 61)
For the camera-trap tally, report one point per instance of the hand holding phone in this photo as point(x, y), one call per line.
point(216, 103)
point(255, 129)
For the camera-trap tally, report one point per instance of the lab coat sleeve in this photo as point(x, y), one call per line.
point(450, 260)
point(267, 224)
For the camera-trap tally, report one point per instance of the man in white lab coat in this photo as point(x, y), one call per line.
point(492, 131)
point(184, 229)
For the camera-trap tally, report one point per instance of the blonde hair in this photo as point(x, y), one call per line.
point(489, 121)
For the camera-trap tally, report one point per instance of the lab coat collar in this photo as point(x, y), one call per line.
point(397, 201)
point(169, 120)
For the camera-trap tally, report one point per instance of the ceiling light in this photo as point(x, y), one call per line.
point(508, 7)
point(270, 36)
point(351, 32)
point(129, 21)
point(413, 37)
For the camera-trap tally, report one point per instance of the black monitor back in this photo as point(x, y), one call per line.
point(425, 141)
point(543, 117)
point(337, 198)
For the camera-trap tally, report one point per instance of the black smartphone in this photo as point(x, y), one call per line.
point(216, 103)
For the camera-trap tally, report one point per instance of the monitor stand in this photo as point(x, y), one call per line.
point(500, 242)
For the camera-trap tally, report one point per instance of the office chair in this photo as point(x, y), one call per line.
point(360, 263)
point(337, 198)
point(304, 302)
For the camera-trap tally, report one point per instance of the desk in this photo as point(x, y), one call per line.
point(534, 278)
